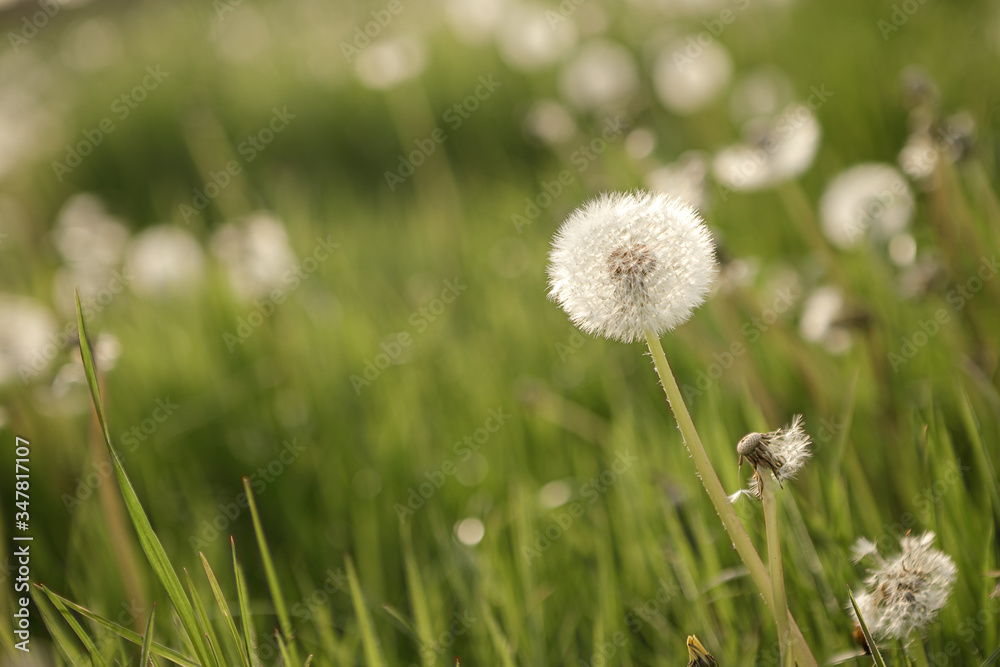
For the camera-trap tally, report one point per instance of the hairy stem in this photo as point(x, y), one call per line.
point(739, 537)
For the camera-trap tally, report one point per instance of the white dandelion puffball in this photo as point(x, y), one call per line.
point(866, 199)
point(627, 263)
point(905, 593)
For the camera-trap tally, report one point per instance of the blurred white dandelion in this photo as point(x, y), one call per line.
point(473, 21)
point(470, 531)
point(683, 178)
point(601, 72)
point(550, 122)
point(686, 84)
point(904, 593)
point(255, 254)
point(164, 259)
point(868, 199)
point(774, 150)
point(528, 38)
point(27, 338)
point(762, 92)
point(391, 61)
point(625, 264)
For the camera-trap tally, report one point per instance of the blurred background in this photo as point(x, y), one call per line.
point(310, 242)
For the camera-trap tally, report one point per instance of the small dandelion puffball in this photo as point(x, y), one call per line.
point(627, 263)
point(783, 452)
point(906, 592)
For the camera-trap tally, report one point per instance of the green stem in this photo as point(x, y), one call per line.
point(919, 655)
point(740, 539)
point(770, 500)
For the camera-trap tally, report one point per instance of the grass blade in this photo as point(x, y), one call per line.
point(147, 639)
point(272, 578)
point(246, 618)
point(124, 633)
point(876, 656)
point(88, 643)
point(373, 656)
point(150, 543)
point(206, 623)
point(62, 640)
point(220, 599)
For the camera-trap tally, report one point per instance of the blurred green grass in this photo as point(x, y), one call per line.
point(897, 434)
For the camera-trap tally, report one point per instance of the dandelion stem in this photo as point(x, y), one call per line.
point(919, 655)
point(770, 500)
point(739, 537)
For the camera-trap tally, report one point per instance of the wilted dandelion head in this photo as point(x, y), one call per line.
point(627, 263)
point(906, 592)
point(783, 452)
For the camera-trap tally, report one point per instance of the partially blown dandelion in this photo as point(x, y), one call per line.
point(904, 593)
point(783, 452)
point(627, 264)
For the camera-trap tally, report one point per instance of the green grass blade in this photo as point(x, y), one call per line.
point(373, 656)
point(272, 578)
point(88, 643)
point(220, 599)
point(147, 639)
point(418, 599)
point(500, 642)
point(206, 622)
point(125, 633)
point(150, 543)
point(246, 618)
point(876, 656)
point(62, 640)
point(282, 649)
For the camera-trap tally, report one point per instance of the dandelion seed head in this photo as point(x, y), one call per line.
point(623, 264)
point(905, 593)
point(793, 446)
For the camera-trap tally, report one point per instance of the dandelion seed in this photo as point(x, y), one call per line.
point(867, 199)
point(905, 593)
point(625, 264)
point(783, 452)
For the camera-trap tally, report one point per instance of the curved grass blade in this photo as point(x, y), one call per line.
point(206, 623)
point(272, 578)
point(147, 639)
point(55, 628)
point(95, 655)
point(373, 656)
point(125, 633)
point(220, 599)
point(150, 543)
point(876, 656)
point(246, 618)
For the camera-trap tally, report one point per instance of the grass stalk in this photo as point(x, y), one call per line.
point(770, 500)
